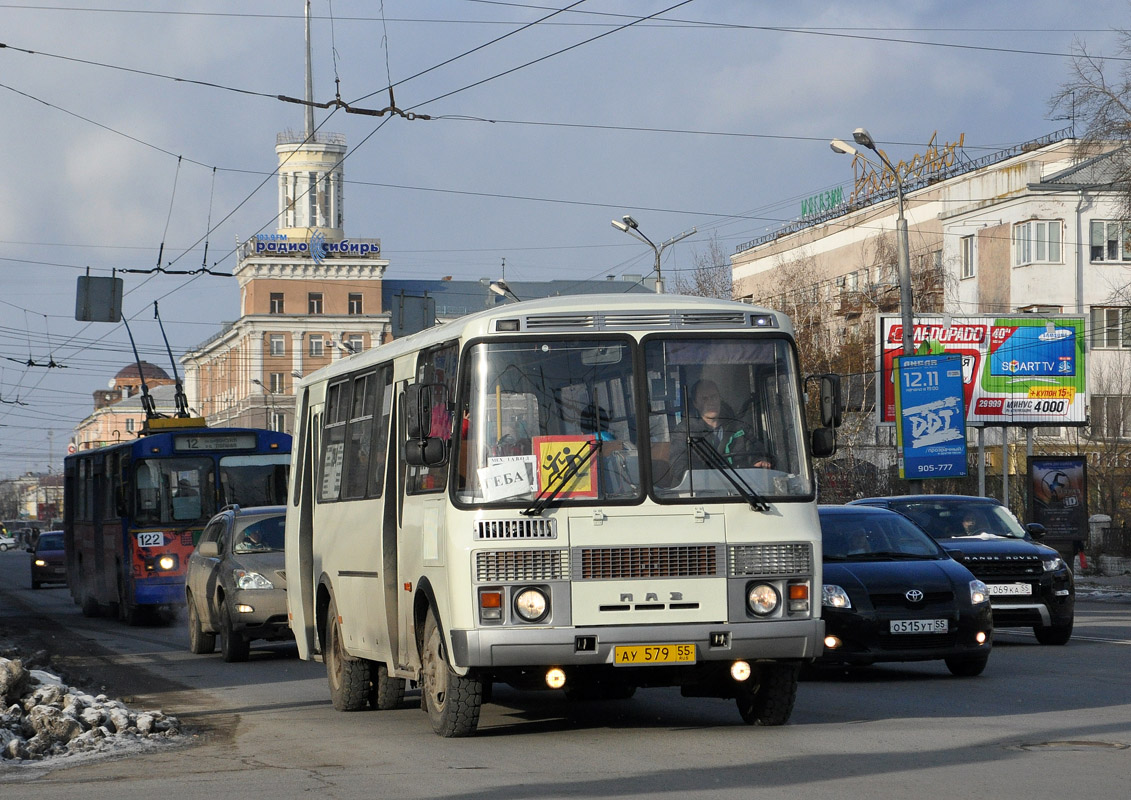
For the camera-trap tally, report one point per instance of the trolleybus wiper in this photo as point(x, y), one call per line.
point(714, 460)
point(555, 486)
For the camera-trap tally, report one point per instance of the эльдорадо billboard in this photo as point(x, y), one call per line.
point(1015, 370)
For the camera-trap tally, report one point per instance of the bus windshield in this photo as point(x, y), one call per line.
point(721, 412)
point(535, 410)
point(174, 490)
point(258, 480)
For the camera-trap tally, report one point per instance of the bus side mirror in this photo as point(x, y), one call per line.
point(823, 442)
point(832, 407)
point(417, 410)
point(427, 452)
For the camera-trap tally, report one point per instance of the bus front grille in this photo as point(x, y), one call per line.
point(676, 561)
point(508, 566)
point(770, 559)
point(498, 529)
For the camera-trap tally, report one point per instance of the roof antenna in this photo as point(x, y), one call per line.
point(179, 394)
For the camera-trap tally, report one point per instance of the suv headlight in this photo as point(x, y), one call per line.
point(251, 580)
point(979, 593)
point(1053, 563)
point(834, 596)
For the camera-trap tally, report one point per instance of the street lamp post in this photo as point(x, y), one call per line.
point(630, 226)
point(864, 139)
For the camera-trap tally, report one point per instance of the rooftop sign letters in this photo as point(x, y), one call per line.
point(317, 248)
point(871, 180)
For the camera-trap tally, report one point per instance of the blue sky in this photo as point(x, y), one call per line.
point(715, 115)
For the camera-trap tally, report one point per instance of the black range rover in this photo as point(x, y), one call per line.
point(1029, 583)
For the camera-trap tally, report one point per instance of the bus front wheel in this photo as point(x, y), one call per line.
point(452, 701)
point(770, 702)
point(348, 676)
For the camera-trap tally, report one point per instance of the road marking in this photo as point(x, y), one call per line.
point(1075, 637)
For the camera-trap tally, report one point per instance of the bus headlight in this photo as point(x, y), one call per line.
point(251, 580)
point(762, 599)
point(166, 563)
point(531, 604)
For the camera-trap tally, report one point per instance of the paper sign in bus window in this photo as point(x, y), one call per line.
point(556, 455)
point(507, 476)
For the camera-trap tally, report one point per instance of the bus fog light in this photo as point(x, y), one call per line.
point(763, 599)
point(166, 563)
point(740, 670)
point(832, 643)
point(980, 637)
point(555, 678)
point(531, 604)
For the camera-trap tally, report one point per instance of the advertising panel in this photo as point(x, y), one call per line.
point(931, 435)
point(1058, 492)
point(1015, 370)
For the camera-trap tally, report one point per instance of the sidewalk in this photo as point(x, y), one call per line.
point(1104, 587)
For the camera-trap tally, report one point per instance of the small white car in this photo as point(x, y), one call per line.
point(7, 543)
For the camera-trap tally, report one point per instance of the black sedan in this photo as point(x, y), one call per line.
point(892, 594)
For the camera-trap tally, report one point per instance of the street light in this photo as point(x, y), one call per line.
point(864, 139)
point(500, 288)
point(630, 226)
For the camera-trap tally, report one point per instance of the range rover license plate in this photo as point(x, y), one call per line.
point(998, 589)
point(644, 654)
point(918, 626)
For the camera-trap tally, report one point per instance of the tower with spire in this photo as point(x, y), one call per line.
point(308, 295)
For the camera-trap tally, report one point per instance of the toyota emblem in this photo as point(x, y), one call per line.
point(914, 596)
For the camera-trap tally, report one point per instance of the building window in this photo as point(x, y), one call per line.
point(317, 344)
point(355, 303)
point(129, 425)
point(1110, 241)
point(278, 345)
point(314, 303)
point(1036, 242)
point(1111, 417)
point(278, 421)
point(355, 342)
point(966, 256)
point(276, 383)
point(276, 302)
point(1111, 327)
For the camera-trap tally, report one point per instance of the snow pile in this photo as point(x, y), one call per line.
point(41, 717)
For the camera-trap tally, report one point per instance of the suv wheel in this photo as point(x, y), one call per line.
point(1053, 634)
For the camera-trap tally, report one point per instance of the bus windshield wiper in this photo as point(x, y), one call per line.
point(555, 486)
point(715, 461)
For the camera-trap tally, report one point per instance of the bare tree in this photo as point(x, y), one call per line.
point(711, 277)
point(1098, 93)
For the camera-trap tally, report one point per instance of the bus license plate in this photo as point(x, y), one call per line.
point(918, 626)
point(152, 539)
point(999, 589)
point(643, 654)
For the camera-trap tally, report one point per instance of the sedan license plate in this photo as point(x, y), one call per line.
point(918, 626)
point(644, 654)
point(997, 589)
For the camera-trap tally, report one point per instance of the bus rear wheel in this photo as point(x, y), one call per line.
point(348, 676)
point(770, 701)
point(386, 692)
point(452, 701)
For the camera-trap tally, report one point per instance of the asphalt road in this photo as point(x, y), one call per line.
point(1040, 722)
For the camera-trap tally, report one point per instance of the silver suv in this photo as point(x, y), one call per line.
point(235, 586)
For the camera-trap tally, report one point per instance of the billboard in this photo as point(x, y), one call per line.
point(931, 433)
point(1058, 495)
point(1015, 370)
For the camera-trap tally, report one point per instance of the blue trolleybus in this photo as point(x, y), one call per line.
point(133, 511)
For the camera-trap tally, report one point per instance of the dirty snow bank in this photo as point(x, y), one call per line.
point(41, 717)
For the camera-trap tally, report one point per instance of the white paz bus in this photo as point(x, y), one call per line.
point(535, 495)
